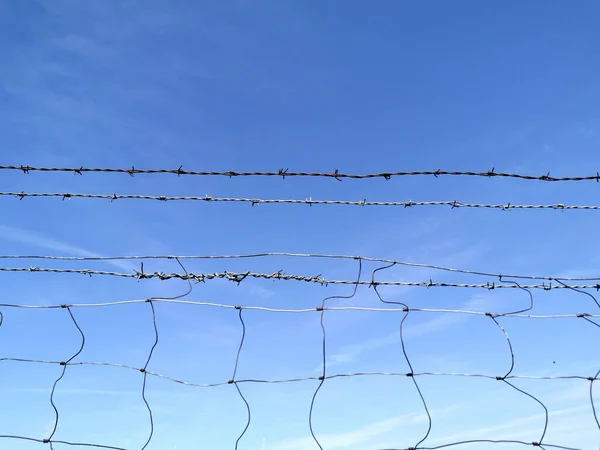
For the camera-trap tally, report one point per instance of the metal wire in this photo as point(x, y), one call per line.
point(323, 348)
point(395, 307)
point(283, 173)
point(402, 343)
point(238, 277)
point(498, 275)
point(453, 204)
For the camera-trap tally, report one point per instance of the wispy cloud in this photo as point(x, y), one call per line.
point(524, 428)
point(351, 353)
point(356, 437)
point(35, 239)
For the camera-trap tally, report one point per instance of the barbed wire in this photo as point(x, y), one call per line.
point(283, 173)
point(238, 277)
point(507, 377)
point(498, 275)
point(453, 204)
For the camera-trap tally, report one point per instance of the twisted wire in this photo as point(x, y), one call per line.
point(285, 173)
point(453, 204)
point(238, 277)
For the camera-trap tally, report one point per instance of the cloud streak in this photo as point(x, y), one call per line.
point(35, 239)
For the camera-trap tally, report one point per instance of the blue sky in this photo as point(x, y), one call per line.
point(315, 86)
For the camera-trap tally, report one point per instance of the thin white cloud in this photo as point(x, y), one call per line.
point(351, 353)
point(520, 428)
point(36, 239)
point(353, 438)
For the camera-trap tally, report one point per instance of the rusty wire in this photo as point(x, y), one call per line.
point(283, 173)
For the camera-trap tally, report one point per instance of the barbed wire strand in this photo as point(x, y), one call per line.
point(280, 275)
point(498, 275)
point(403, 345)
point(322, 378)
point(234, 381)
point(283, 173)
point(454, 204)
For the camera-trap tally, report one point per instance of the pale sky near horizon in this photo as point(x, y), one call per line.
point(309, 86)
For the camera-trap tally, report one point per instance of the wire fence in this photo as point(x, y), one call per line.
point(528, 284)
point(285, 173)
point(401, 309)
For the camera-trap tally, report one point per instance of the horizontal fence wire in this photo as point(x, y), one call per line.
point(238, 277)
point(284, 173)
point(453, 204)
point(498, 275)
point(497, 321)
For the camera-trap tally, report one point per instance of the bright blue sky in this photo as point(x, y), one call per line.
point(317, 86)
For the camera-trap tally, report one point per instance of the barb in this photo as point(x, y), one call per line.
point(279, 275)
point(308, 201)
point(285, 173)
point(322, 378)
